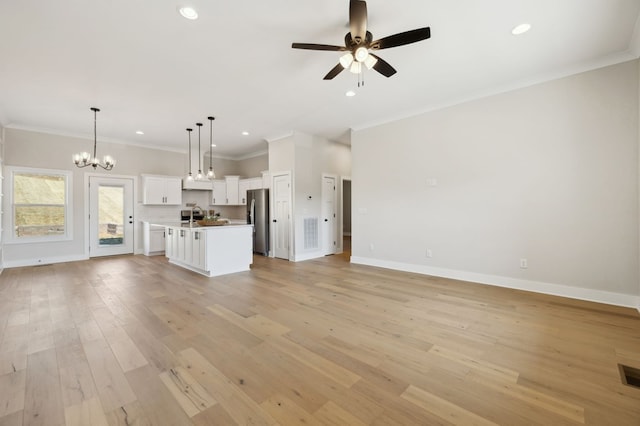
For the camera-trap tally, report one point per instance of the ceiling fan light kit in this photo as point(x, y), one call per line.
point(359, 43)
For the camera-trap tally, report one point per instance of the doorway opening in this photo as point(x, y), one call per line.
point(110, 216)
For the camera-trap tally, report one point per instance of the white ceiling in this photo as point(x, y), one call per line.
point(149, 69)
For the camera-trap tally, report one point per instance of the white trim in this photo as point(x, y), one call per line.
point(307, 256)
point(272, 242)
point(8, 237)
point(87, 207)
point(43, 261)
point(337, 211)
point(343, 179)
point(606, 61)
point(55, 132)
point(275, 138)
point(600, 296)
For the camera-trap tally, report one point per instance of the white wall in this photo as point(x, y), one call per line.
point(548, 173)
point(308, 158)
point(42, 150)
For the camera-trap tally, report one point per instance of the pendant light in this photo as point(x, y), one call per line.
point(199, 175)
point(189, 176)
point(211, 174)
point(83, 159)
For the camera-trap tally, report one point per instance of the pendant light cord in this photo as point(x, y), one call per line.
point(199, 154)
point(95, 132)
point(211, 142)
point(189, 133)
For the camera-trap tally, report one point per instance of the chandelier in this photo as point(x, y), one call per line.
point(84, 159)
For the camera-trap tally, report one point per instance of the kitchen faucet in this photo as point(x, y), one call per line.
point(193, 206)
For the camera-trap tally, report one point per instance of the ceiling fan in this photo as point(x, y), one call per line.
point(358, 43)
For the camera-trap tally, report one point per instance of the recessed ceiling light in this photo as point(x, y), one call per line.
point(245, 133)
point(188, 12)
point(350, 93)
point(521, 29)
point(139, 132)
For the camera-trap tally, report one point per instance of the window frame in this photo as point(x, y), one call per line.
point(10, 234)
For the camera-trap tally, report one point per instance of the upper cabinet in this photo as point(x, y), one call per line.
point(232, 191)
point(161, 190)
point(219, 195)
point(246, 184)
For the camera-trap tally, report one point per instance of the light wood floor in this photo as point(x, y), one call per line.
point(135, 341)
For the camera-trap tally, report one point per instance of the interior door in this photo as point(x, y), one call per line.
point(282, 215)
point(110, 216)
point(329, 222)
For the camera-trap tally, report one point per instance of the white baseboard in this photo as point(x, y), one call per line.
point(43, 261)
point(307, 256)
point(600, 296)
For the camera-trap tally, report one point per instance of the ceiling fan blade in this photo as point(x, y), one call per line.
point(383, 67)
point(358, 20)
point(334, 71)
point(401, 39)
point(312, 46)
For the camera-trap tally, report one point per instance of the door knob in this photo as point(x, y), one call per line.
point(326, 220)
point(274, 221)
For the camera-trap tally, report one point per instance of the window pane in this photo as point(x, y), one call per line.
point(111, 214)
point(31, 188)
point(39, 221)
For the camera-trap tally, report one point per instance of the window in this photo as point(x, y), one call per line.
point(40, 201)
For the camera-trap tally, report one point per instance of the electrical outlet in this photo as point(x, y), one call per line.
point(429, 253)
point(523, 264)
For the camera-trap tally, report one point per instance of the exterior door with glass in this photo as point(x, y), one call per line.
point(110, 216)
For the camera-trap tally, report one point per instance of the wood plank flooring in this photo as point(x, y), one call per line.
point(133, 340)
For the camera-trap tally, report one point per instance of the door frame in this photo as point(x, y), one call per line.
point(343, 179)
point(337, 246)
point(272, 197)
point(87, 210)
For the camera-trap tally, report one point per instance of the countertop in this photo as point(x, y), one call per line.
point(178, 224)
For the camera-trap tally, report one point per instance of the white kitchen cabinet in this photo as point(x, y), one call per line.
point(181, 247)
point(246, 184)
point(171, 243)
point(211, 250)
point(161, 190)
point(232, 190)
point(153, 239)
point(219, 195)
point(225, 192)
point(198, 249)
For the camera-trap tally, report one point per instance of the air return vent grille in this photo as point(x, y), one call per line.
point(310, 233)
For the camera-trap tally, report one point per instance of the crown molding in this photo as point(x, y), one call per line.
point(614, 59)
point(89, 137)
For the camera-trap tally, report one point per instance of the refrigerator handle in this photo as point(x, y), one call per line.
point(252, 211)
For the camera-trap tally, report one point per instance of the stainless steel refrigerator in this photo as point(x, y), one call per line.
point(258, 216)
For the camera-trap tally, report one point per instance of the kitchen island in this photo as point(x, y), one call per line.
point(209, 250)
